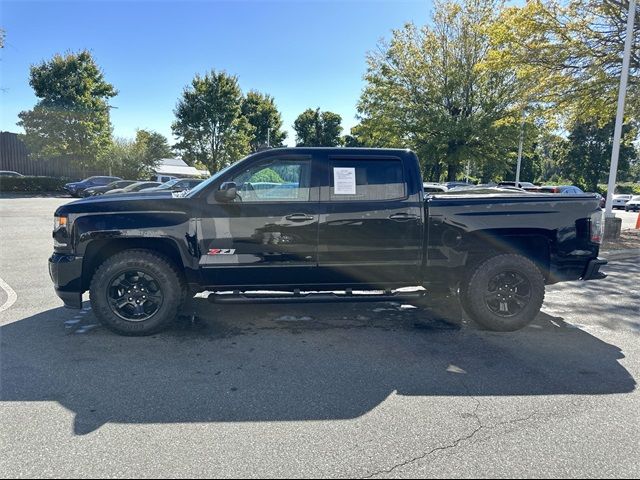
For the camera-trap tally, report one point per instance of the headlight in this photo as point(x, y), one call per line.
point(59, 222)
point(60, 233)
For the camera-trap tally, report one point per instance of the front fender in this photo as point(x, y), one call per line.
point(176, 227)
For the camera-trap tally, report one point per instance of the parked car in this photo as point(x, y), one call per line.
point(90, 192)
point(620, 200)
point(76, 189)
point(563, 189)
point(133, 188)
point(524, 185)
point(633, 205)
point(9, 173)
point(176, 185)
point(344, 220)
point(164, 178)
point(430, 187)
point(450, 185)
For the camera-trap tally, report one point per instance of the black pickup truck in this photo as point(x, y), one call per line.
point(321, 224)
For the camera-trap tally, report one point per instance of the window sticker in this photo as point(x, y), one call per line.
point(344, 181)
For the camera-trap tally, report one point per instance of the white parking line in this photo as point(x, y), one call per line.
point(11, 295)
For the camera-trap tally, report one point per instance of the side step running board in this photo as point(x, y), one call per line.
point(312, 297)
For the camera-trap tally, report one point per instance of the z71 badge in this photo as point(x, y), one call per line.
point(222, 251)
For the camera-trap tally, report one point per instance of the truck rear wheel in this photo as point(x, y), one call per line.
point(136, 292)
point(504, 293)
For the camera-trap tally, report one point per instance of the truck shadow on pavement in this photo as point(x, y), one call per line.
point(298, 362)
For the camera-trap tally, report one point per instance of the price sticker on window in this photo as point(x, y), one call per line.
point(344, 181)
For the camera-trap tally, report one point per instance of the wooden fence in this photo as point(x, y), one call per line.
point(14, 156)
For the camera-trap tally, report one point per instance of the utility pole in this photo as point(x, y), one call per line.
point(615, 151)
point(520, 151)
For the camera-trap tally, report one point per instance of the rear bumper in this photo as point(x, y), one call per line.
point(592, 272)
point(66, 273)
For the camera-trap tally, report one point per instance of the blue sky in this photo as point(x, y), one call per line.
point(305, 54)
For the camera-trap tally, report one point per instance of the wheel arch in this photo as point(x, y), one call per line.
point(532, 244)
point(100, 250)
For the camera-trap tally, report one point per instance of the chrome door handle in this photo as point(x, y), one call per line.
point(299, 217)
point(403, 217)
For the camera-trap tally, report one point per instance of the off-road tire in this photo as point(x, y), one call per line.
point(475, 289)
point(154, 264)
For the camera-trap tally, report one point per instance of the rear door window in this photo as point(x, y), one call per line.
point(366, 180)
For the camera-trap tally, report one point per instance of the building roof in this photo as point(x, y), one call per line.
point(176, 167)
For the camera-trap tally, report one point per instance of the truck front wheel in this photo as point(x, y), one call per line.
point(504, 293)
point(136, 292)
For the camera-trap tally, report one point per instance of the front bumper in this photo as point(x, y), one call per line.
point(66, 274)
point(592, 272)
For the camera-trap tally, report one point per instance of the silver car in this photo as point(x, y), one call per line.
point(620, 201)
point(633, 205)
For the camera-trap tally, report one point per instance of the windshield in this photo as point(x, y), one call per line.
point(201, 186)
point(169, 184)
point(134, 185)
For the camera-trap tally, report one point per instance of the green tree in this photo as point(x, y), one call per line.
point(318, 129)
point(587, 158)
point(430, 89)
point(135, 159)
point(569, 54)
point(154, 146)
point(550, 149)
point(209, 124)
point(71, 119)
point(262, 114)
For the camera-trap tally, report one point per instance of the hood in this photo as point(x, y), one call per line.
point(128, 202)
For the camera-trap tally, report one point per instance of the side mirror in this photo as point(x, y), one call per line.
point(227, 192)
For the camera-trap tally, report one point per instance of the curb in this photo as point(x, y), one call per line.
point(620, 254)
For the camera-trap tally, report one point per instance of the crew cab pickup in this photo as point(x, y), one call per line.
point(321, 224)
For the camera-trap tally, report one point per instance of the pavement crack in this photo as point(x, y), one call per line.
point(479, 426)
point(441, 448)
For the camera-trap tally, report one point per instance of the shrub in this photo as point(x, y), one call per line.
point(629, 188)
point(32, 184)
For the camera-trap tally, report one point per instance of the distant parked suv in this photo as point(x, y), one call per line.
point(76, 189)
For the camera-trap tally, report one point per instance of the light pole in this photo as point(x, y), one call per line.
point(615, 151)
point(520, 151)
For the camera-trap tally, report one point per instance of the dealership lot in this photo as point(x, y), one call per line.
point(373, 390)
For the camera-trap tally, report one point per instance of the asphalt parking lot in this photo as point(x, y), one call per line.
point(629, 219)
point(349, 390)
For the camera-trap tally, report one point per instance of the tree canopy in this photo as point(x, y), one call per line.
point(209, 122)
point(569, 56)
point(262, 114)
point(135, 159)
point(318, 129)
point(71, 119)
point(429, 89)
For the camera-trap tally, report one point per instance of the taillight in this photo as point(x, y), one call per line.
point(597, 226)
